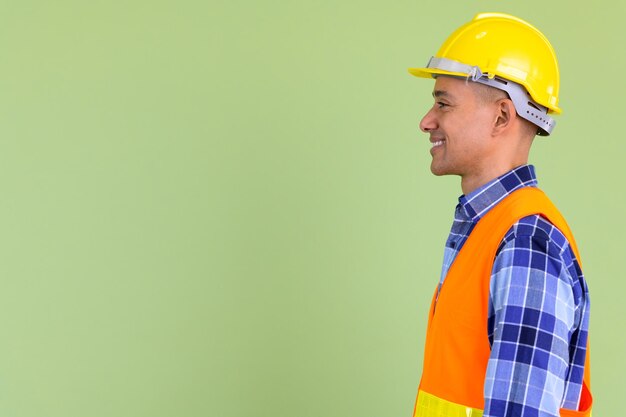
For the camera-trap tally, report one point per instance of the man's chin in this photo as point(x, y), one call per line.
point(438, 171)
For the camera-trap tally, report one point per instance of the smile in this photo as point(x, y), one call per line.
point(438, 143)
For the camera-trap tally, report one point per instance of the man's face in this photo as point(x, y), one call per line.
point(459, 125)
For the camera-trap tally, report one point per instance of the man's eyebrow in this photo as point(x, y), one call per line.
point(441, 93)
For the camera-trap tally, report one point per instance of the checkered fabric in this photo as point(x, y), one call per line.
point(538, 307)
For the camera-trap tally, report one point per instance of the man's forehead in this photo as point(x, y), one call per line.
point(450, 87)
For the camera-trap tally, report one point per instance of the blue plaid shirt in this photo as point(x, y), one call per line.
point(538, 307)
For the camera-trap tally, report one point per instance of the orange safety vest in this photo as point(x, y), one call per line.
point(457, 348)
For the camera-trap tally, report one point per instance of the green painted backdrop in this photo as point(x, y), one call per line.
point(225, 209)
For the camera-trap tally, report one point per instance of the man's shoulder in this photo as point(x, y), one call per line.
point(538, 230)
point(533, 242)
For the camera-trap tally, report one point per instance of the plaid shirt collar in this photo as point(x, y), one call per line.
point(477, 203)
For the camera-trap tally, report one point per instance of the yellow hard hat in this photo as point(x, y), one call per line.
point(495, 46)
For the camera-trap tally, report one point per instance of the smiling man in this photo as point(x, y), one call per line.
point(508, 324)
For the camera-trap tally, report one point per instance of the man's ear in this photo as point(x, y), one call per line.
point(505, 113)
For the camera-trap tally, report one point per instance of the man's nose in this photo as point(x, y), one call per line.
point(428, 122)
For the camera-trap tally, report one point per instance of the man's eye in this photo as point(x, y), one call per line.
point(441, 105)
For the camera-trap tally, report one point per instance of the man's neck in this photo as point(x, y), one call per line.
point(470, 183)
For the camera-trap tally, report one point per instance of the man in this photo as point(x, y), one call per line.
point(508, 325)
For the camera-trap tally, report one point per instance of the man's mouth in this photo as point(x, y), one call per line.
point(438, 143)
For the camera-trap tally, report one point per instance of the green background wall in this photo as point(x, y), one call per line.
point(225, 209)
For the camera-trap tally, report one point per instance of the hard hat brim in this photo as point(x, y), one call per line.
point(432, 72)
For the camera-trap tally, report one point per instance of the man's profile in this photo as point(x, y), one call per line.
point(508, 325)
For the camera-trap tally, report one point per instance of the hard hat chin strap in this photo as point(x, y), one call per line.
point(525, 106)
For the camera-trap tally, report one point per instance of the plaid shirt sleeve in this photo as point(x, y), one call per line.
point(536, 313)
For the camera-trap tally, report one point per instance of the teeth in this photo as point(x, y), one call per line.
point(438, 143)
